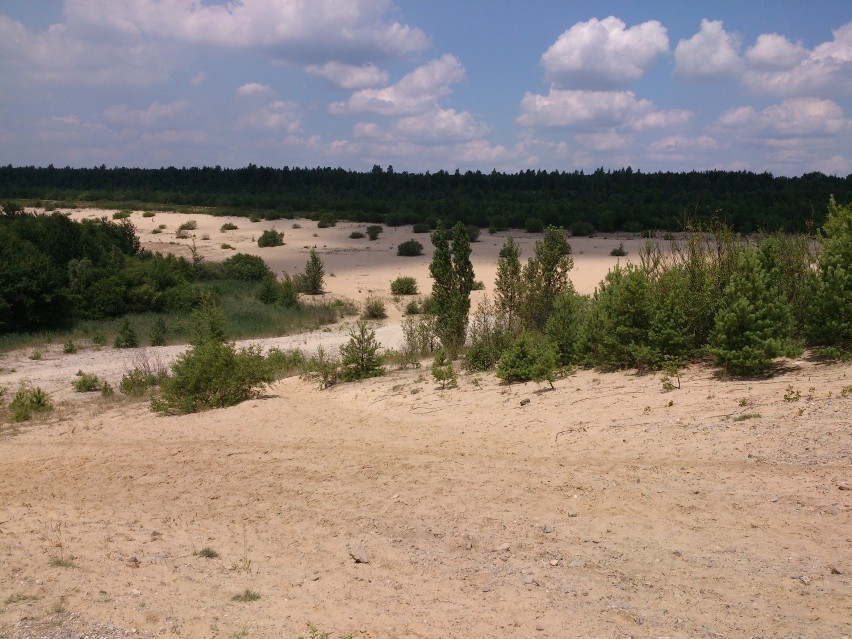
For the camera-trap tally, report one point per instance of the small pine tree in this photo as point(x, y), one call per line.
point(126, 337)
point(531, 357)
point(508, 285)
point(159, 331)
point(312, 280)
point(545, 276)
point(360, 355)
point(452, 272)
point(565, 323)
point(443, 370)
point(754, 324)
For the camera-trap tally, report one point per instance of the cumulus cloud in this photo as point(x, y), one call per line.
point(415, 93)
point(792, 119)
point(595, 109)
point(277, 115)
point(780, 67)
point(440, 124)
point(348, 76)
point(254, 88)
point(297, 31)
point(711, 54)
point(155, 114)
point(604, 53)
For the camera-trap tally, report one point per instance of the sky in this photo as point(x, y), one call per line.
point(426, 85)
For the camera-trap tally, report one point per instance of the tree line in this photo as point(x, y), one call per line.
point(605, 201)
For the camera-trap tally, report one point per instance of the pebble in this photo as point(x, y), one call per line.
point(554, 562)
point(358, 552)
point(803, 578)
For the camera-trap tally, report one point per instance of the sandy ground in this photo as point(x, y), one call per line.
point(604, 508)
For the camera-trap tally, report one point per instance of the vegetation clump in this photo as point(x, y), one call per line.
point(270, 237)
point(409, 248)
point(531, 357)
point(360, 356)
point(28, 400)
point(404, 285)
point(312, 281)
point(86, 382)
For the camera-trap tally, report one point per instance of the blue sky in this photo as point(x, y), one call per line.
point(429, 84)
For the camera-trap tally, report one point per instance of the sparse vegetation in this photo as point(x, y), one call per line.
point(374, 308)
point(228, 226)
point(269, 238)
point(28, 400)
point(360, 355)
point(246, 596)
point(86, 382)
point(404, 285)
point(619, 251)
point(189, 225)
point(443, 370)
point(409, 248)
point(207, 553)
point(356, 235)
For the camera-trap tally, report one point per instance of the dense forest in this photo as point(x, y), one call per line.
point(605, 201)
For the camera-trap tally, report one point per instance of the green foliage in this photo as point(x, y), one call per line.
point(421, 227)
point(189, 225)
point(509, 285)
point(323, 368)
point(404, 285)
point(246, 596)
point(545, 276)
point(270, 237)
point(29, 399)
point(582, 229)
point(148, 214)
point(121, 215)
point(245, 267)
point(565, 324)
point(374, 308)
point(473, 232)
point(409, 248)
point(490, 333)
point(443, 370)
point(126, 337)
point(360, 355)
point(326, 221)
point(419, 335)
point(207, 553)
point(70, 347)
point(533, 225)
point(754, 324)
point(356, 235)
point(373, 231)
point(86, 382)
point(285, 363)
point(452, 274)
point(619, 251)
point(829, 324)
point(136, 382)
point(530, 357)
point(313, 278)
point(413, 308)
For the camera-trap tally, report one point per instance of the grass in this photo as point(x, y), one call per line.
point(246, 595)
point(316, 633)
point(86, 382)
point(745, 416)
point(18, 597)
point(207, 553)
point(59, 562)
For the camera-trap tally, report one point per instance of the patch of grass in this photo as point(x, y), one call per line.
point(228, 226)
point(35, 355)
point(792, 394)
point(246, 595)
point(121, 215)
point(28, 400)
point(86, 382)
point(18, 597)
point(374, 308)
point(207, 553)
point(356, 235)
point(189, 225)
point(69, 348)
point(745, 416)
point(60, 562)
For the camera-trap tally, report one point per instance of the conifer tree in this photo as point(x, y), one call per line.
point(508, 285)
point(314, 274)
point(830, 321)
point(545, 276)
point(452, 274)
point(360, 355)
point(754, 324)
point(531, 357)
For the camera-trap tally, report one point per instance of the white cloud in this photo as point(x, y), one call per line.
point(440, 124)
point(415, 93)
point(170, 136)
point(198, 79)
point(603, 53)
point(792, 119)
point(476, 152)
point(278, 114)
point(711, 54)
point(152, 116)
point(254, 88)
point(299, 31)
point(590, 109)
point(605, 140)
point(782, 68)
point(348, 76)
point(681, 143)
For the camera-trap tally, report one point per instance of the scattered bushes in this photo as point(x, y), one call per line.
point(126, 337)
point(404, 285)
point(270, 237)
point(356, 235)
point(86, 382)
point(360, 357)
point(373, 231)
point(374, 308)
point(228, 226)
point(29, 399)
point(409, 248)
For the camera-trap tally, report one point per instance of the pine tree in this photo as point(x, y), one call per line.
point(360, 355)
point(314, 274)
point(531, 357)
point(754, 324)
point(452, 274)
point(545, 276)
point(508, 285)
point(443, 370)
point(829, 323)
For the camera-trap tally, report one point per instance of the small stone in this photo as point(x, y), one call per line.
point(547, 529)
point(529, 580)
point(803, 578)
point(155, 535)
point(524, 402)
point(554, 562)
point(502, 548)
point(486, 588)
point(359, 553)
point(539, 627)
point(844, 487)
point(835, 571)
point(313, 577)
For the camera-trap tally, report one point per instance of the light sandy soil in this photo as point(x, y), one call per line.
point(604, 508)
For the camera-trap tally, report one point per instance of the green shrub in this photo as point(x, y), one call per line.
point(69, 348)
point(126, 337)
point(531, 357)
point(159, 331)
point(244, 267)
point(421, 227)
point(228, 226)
point(409, 248)
point(374, 308)
point(270, 237)
point(404, 285)
point(148, 214)
point(533, 225)
point(189, 225)
point(156, 231)
point(106, 389)
point(136, 382)
point(413, 308)
point(490, 333)
point(86, 382)
point(582, 229)
point(28, 400)
point(323, 368)
point(284, 363)
point(359, 356)
point(618, 252)
point(254, 217)
point(419, 335)
point(373, 231)
point(313, 279)
point(356, 235)
point(326, 221)
point(473, 232)
point(565, 324)
point(121, 215)
point(443, 370)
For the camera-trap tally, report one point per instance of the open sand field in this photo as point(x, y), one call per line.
point(390, 508)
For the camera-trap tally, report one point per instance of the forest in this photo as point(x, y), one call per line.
point(605, 201)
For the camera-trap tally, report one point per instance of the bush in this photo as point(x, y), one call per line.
point(533, 225)
point(159, 330)
point(69, 348)
point(244, 267)
point(28, 400)
point(312, 280)
point(473, 232)
point(356, 235)
point(126, 337)
point(582, 229)
point(189, 225)
point(421, 227)
point(490, 333)
point(404, 285)
point(228, 226)
point(443, 370)
point(323, 368)
point(121, 215)
point(270, 237)
point(148, 214)
point(373, 231)
point(374, 308)
point(86, 382)
point(413, 308)
point(326, 221)
point(360, 358)
point(618, 252)
point(284, 363)
point(409, 248)
point(531, 357)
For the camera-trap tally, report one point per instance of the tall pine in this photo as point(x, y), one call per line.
point(508, 286)
point(452, 274)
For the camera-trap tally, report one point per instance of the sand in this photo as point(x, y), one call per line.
point(608, 507)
